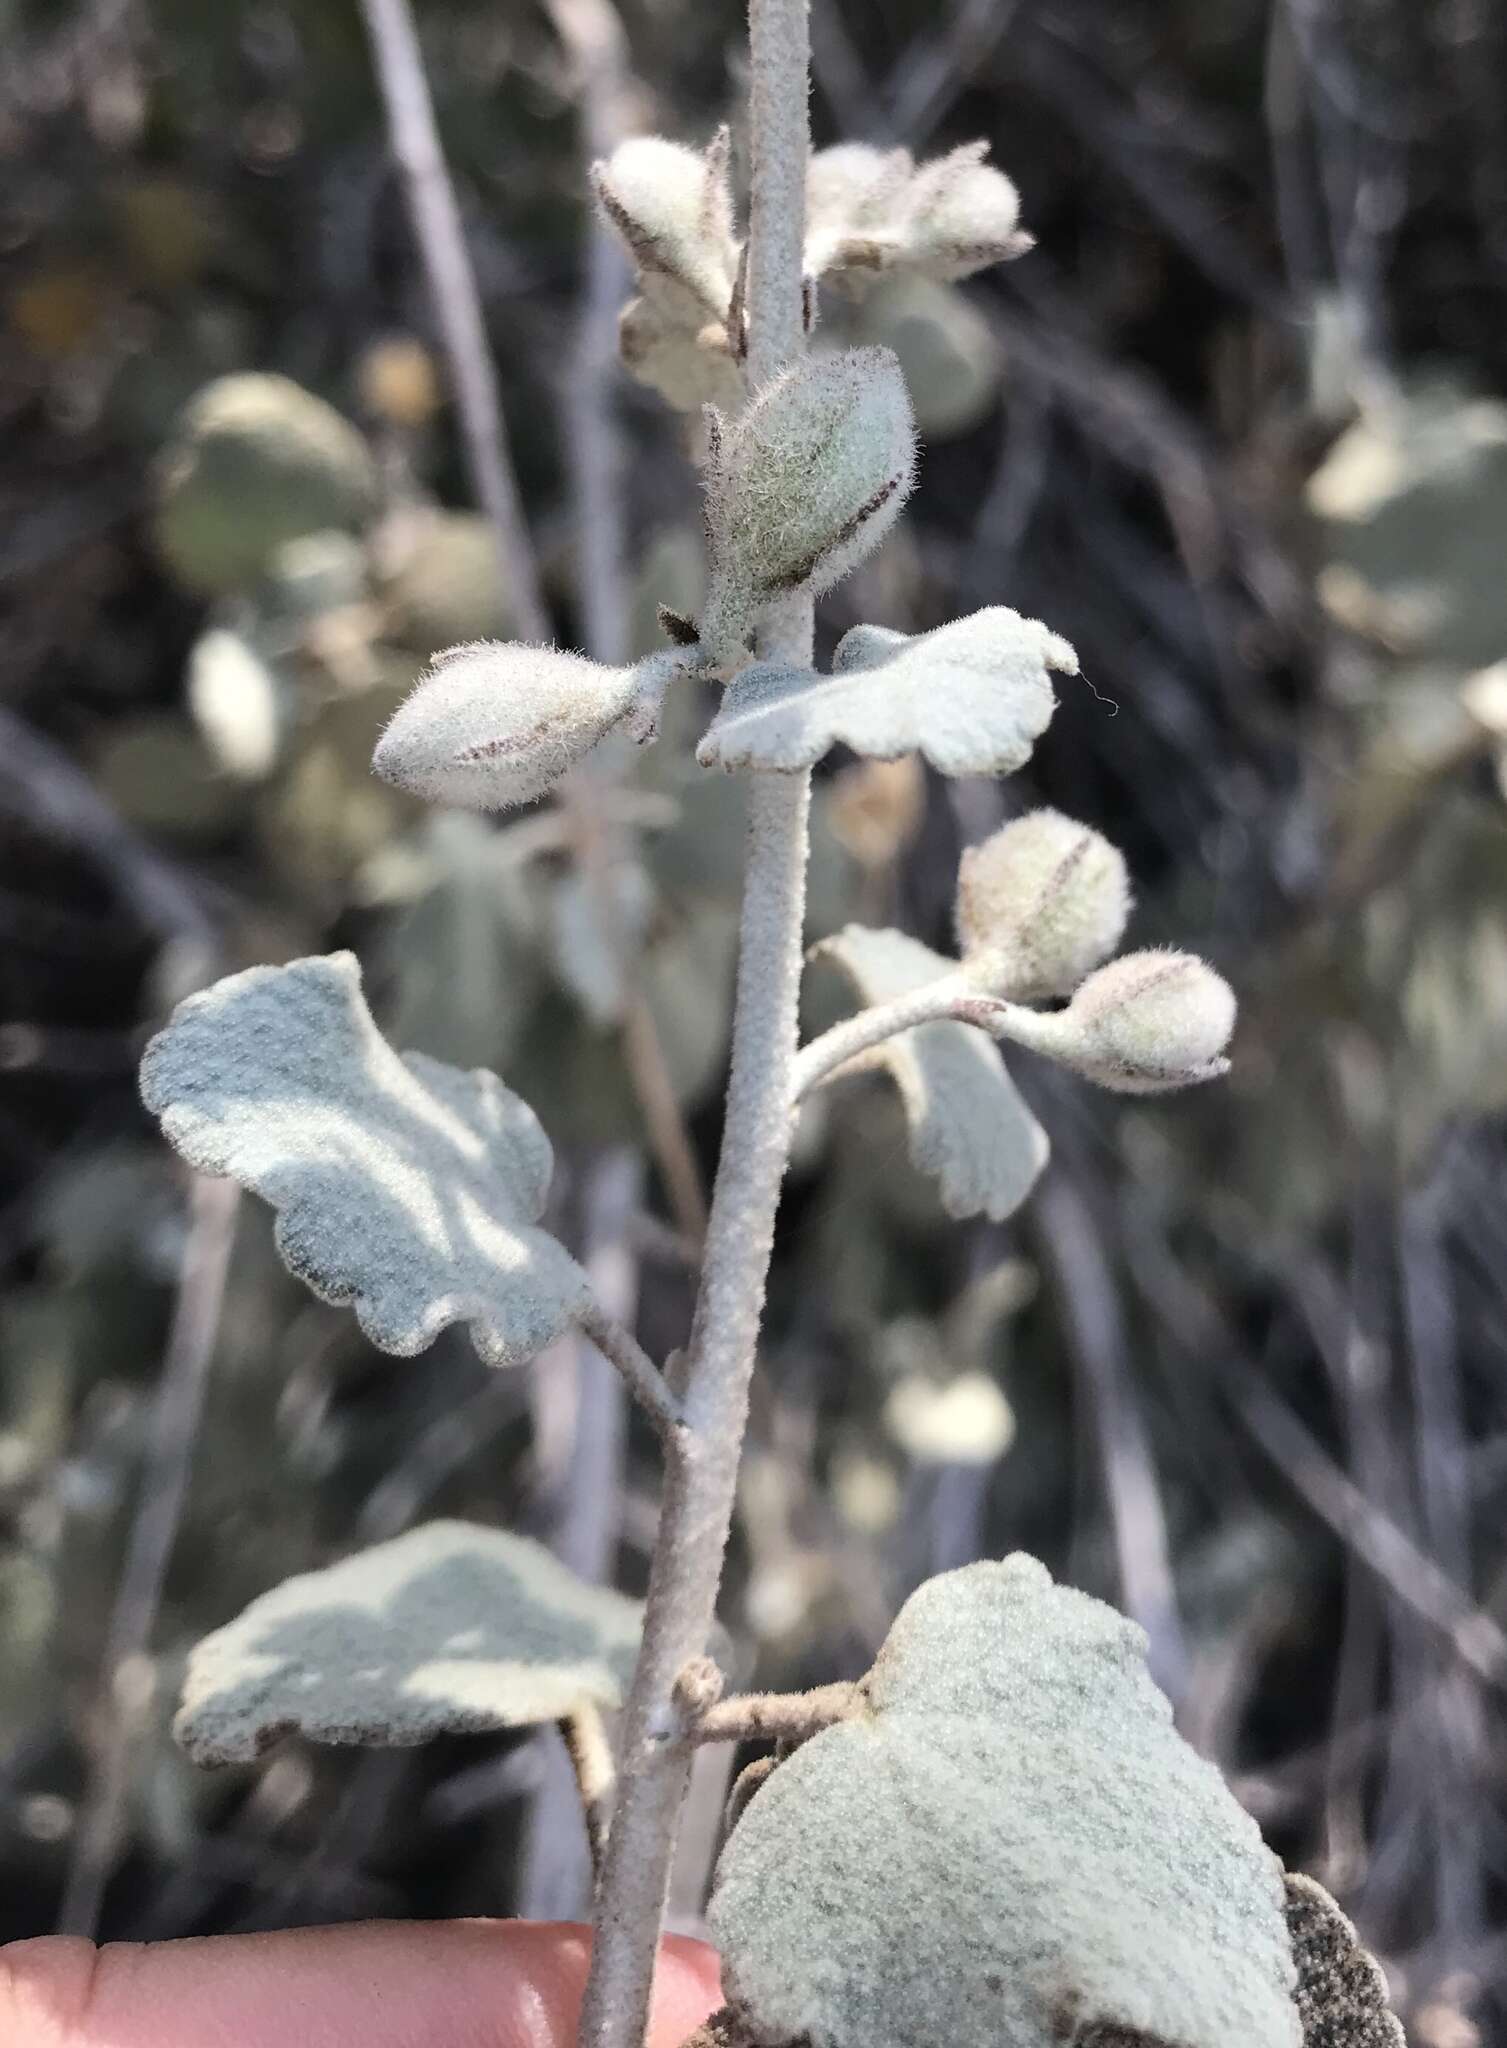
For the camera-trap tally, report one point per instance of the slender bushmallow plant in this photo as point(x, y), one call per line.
point(995, 1839)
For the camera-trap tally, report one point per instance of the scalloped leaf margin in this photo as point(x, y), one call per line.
point(402, 1186)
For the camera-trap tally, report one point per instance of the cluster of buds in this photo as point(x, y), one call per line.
point(869, 213)
point(1041, 906)
point(802, 483)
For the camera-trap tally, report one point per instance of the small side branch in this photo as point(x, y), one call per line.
point(772, 1716)
point(645, 1380)
point(585, 1736)
point(949, 996)
point(947, 999)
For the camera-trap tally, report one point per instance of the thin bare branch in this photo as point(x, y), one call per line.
point(1096, 1336)
point(437, 228)
point(40, 783)
point(581, 1408)
point(927, 82)
point(664, 1126)
point(129, 1685)
point(1476, 1638)
point(752, 1778)
point(593, 35)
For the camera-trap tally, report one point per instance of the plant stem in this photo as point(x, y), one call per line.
point(437, 229)
point(949, 996)
point(700, 1484)
point(644, 1378)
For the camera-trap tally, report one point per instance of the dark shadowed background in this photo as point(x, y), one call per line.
point(1238, 428)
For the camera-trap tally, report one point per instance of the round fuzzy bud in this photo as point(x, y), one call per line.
point(255, 461)
point(1151, 1021)
point(802, 485)
point(962, 216)
point(1039, 905)
point(673, 208)
point(494, 724)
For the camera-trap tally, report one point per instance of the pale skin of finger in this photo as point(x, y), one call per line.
point(458, 1984)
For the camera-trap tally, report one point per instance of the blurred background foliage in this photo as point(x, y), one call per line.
point(1238, 428)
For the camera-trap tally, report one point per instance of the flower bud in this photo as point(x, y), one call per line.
point(962, 216)
point(854, 193)
point(1151, 1021)
point(1039, 905)
point(802, 485)
point(672, 207)
point(495, 724)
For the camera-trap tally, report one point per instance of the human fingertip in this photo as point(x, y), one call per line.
point(497, 1984)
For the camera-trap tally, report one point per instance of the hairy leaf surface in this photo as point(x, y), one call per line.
point(449, 1629)
point(973, 697)
point(403, 1186)
point(1012, 1848)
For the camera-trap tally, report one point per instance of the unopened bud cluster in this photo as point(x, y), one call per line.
point(1039, 906)
point(869, 213)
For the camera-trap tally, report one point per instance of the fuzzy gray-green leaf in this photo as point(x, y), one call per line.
point(973, 697)
point(448, 1630)
point(1013, 1848)
point(403, 1186)
point(969, 1128)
